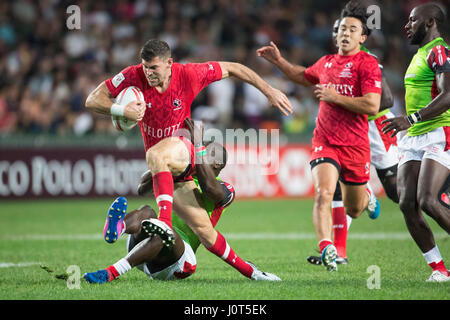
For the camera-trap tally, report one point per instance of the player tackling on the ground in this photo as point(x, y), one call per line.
point(348, 85)
point(146, 250)
point(424, 164)
point(169, 89)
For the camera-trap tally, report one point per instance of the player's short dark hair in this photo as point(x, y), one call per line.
point(155, 48)
point(354, 9)
point(436, 12)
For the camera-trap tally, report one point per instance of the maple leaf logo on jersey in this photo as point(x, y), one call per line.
point(346, 73)
point(177, 104)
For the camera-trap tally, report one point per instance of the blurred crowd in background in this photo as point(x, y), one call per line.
point(47, 70)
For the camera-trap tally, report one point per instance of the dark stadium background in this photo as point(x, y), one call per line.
point(47, 71)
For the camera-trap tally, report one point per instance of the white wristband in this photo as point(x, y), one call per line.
point(117, 109)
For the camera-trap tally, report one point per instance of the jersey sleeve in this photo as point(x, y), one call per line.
point(124, 79)
point(370, 76)
point(439, 59)
point(229, 194)
point(202, 74)
point(312, 73)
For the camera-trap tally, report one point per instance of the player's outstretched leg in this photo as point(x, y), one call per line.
point(114, 224)
point(157, 227)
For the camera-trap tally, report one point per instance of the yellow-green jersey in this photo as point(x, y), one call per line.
point(214, 211)
point(383, 112)
point(420, 84)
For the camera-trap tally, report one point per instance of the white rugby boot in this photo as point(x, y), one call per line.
point(373, 208)
point(259, 275)
point(438, 276)
point(328, 257)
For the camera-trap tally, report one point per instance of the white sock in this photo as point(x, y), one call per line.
point(124, 227)
point(369, 190)
point(122, 266)
point(337, 204)
point(433, 255)
point(349, 221)
point(325, 239)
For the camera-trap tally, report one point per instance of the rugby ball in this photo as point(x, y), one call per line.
point(126, 96)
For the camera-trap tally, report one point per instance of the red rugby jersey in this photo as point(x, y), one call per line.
point(352, 76)
point(166, 111)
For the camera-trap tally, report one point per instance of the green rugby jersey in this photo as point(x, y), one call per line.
point(383, 112)
point(420, 84)
point(214, 212)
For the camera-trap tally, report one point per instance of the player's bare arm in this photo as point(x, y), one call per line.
point(211, 187)
point(100, 101)
point(439, 105)
point(367, 104)
point(145, 184)
point(277, 99)
point(295, 73)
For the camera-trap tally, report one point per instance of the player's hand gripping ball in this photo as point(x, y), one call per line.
point(127, 95)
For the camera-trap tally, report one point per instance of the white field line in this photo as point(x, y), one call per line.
point(310, 236)
point(17, 265)
point(231, 236)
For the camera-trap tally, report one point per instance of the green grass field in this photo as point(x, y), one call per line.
point(276, 235)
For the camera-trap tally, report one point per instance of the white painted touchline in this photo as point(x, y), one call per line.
point(93, 236)
point(233, 236)
point(308, 236)
point(20, 264)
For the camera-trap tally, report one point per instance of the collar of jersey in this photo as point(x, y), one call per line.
point(431, 43)
point(342, 58)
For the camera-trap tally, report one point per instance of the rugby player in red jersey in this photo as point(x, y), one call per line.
point(384, 158)
point(146, 250)
point(169, 89)
point(348, 85)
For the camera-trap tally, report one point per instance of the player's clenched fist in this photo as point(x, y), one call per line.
point(270, 52)
point(135, 110)
point(325, 93)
